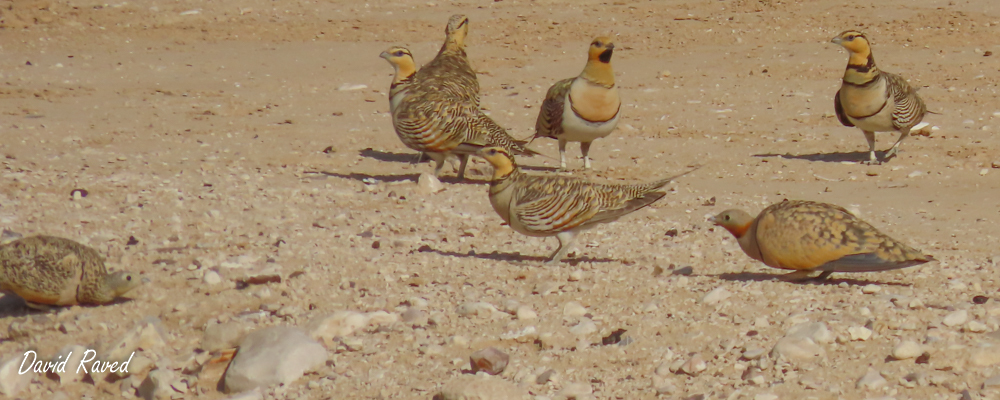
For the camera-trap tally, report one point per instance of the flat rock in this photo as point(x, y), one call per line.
point(489, 360)
point(338, 324)
point(479, 387)
point(871, 380)
point(907, 349)
point(72, 354)
point(427, 183)
point(157, 385)
point(955, 318)
point(270, 356)
point(798, 349)
point(716, 296)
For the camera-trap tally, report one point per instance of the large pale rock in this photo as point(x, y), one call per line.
point(223, 336)
point(479, 387)
point(270, 356)
point(72, 354)
point(338, 324)
point(11, 382)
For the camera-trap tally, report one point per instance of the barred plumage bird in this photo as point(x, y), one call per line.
point(436, 109)
point(807, 236)
point(874, 100)
point(561, 206)
point(584, 108)
point(49, 270)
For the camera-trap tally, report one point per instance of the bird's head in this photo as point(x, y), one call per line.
point(854, 41)
point(401, 59)
point(601, 49)
point(501, 160)
point(457, 29)
point(735, 221)
point(121, 282)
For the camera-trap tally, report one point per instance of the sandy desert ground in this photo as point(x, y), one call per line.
point(198, 129)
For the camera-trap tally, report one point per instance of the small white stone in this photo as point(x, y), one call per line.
point(765, 396)
point(871, 289)
point(427, 183)
point(956, 318)
point(859, 333)
point(914, 174)
point(212, 278)
point(695, 365)
point(574, 309)
point(976, 327)
point(871, 380)
point(585, 327)
point(348, 87)
point(716, 296)
point(575, 276)
point(525, 312)
point(907, 349)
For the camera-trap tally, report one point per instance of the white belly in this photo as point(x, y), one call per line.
point(576, 129)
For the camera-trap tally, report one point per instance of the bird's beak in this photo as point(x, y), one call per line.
point(713, 220)
point(837, 40)
point(611, 46)
point(385, 55)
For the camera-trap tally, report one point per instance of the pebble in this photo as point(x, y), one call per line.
point(11, 382)
point(797, 348)
point(664, 74)
point(955, 318)
point(585, 327)
point(695, 365)
point(817, 331)
point(414, 316)
point(859, 333)
point(350, 87)
point(212, 278)
point(871, 289)
point(985, 354)
point(481, 387)
point(223, 336)
point(914, 174)
point(976, 327)
point(765, 396)
point(575, 276)
point(157, 384)
point(73, 354)
point(427, 183)
point(525, 313)
point(270, 356)
point(574, 309)
point(338, 324)
point(716, 296)
point(753, 353)
point(992, 381)
point(489, 360)
point(871, 380)
point(480, 309)
point(248, 395)
point(906, 350)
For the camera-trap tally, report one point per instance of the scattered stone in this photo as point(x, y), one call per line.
point(585, 327)
point(480, 387)
point(991, 382)
point(350, 87)
point(765, 396)
point(157, 385)
point(12, 382)
point(683, 271)
point(262, 274)
point(489, 360)
point(695, 365)
point(614, 338)
point(906, 349)
point(753, 353)
point(871, 380)
point(248, 395)
point(575, 276)
point(525, 312)
point(414, 316)
point(211, 278)
point(817, 331)
point(986, 354)
point(574, 309)
point(859, 333)
point(544, 377)
point(716, 296)
point(338, 324)
point(427, 183)
point(223, 336)
point(275, 355)
point(73, 354)
point(871, 289)
point(980, 299)
point(976, 327)
point(955, 318)
point(797, 348)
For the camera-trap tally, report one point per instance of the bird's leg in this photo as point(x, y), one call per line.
point(895, 148)
point(439, 159)
point(872, 160)
point(565, 240)
point(463, 160)
point(824, 275)
point(562, 154)
point(585, 149)
point(795, 276)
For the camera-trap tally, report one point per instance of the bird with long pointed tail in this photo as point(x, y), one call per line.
point(874, 100)
point(808, 237)
point(561, 206)
point(584, 108)
point(436, 110)
point(49, 270)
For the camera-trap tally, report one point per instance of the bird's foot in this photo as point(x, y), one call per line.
point(872, 162)
point(796, 276)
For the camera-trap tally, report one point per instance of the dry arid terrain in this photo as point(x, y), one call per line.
point(219, 138)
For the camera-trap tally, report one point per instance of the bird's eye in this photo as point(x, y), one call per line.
point(598, 44)
point(493, 152)
point(851, 37)
point(726, 218)
point(128, 278)
point(399, 53)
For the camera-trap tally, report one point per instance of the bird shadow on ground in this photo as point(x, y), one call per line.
point(854, 156)
point(833, 280)
point(511, 257)
point(15, 307)
point(409, 158)
point(395, 178)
